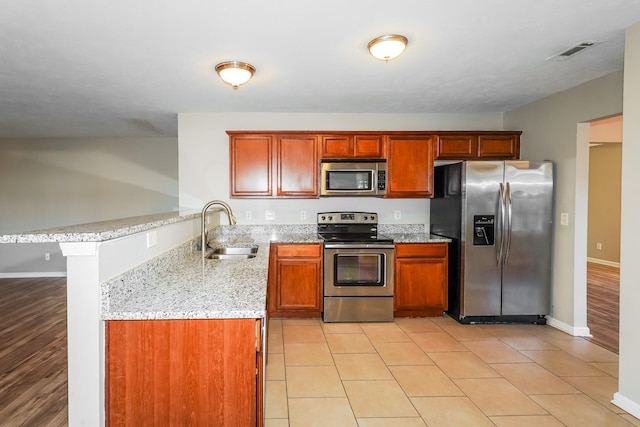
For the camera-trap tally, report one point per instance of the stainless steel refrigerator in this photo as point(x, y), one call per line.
point(499, 216)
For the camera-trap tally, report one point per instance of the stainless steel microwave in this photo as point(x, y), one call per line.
point(353, 178)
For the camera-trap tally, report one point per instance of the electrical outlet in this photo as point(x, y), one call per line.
point(152, 239)
point(247, 215)
point(397, 215)
point(599, 246)
point(564, 219)
point(47, 256)
point(270, 215)
point(303, 215)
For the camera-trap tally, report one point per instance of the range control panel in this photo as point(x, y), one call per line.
point(347, 218)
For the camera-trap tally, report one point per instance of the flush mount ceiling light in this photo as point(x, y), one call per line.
point(235, 73)
point(387, 47)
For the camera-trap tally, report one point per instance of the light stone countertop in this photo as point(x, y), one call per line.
point(100, 231)
point(181, 285)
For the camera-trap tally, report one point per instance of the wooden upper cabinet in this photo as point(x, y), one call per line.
point(257, 160)
point(284, 164)
point(368, 146)
point(336, 146)
point(297, 160)
point(352, 146)
point(410, 166)
point(250, 159)
point(457, 147)
point(499, 146)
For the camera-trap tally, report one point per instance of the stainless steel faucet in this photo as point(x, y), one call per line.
point(203, 226)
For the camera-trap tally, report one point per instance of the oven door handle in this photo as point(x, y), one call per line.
point(358, 246)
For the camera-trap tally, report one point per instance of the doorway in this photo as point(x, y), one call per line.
point(603, 231)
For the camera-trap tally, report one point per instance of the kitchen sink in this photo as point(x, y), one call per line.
point(233, 252)
point(231, 256)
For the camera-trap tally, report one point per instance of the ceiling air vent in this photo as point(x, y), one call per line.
point(573, 50)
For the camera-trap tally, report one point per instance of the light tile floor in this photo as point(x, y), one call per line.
point(435, 372)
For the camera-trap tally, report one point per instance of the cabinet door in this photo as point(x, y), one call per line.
point(336, 146)
point(295, 280)
point(410, 166)
point(182, 372)
point(250, 159)
point(457, 147)
point(297, 158)
point(368, 146)
point(421, 285)
point(499, 146)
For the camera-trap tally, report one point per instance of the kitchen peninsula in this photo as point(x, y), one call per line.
point(121, 273)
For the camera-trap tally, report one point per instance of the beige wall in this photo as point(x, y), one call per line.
point(628, 396)
point(550, 131)
point(55, 182)
point(605, 164)
point(204, 160)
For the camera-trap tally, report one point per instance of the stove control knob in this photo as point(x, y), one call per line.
point(366, 217)
point(330, 217)
point(322, 217)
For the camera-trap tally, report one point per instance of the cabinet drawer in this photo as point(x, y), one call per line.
point(298, 250)
point(435, 250)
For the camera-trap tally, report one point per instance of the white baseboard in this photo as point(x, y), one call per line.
point(582, 331)
point(604, 262)
point(33, 274)
point(627, 404)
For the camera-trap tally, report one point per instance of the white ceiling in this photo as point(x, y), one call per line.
point(126, 68)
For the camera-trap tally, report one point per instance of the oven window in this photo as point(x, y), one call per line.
point(359, 269)
point(350, 180)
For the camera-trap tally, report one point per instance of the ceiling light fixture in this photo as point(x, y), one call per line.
point(387, 47)
point(235, 73)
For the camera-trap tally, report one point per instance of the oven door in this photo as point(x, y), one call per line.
point(358, 269)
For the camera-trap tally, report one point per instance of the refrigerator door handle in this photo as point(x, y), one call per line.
point(501, 229)
point(509, 201)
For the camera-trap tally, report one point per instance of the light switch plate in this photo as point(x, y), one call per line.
point(397, 215)
point(564, 218)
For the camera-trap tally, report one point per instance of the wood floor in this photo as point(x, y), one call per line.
point(33, 352)
point(603, 305)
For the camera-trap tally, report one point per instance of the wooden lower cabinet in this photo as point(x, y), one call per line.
point(295, 280)
point(184, 372)
point(421, 284)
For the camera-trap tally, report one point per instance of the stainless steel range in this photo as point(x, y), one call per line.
point(358, 268)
